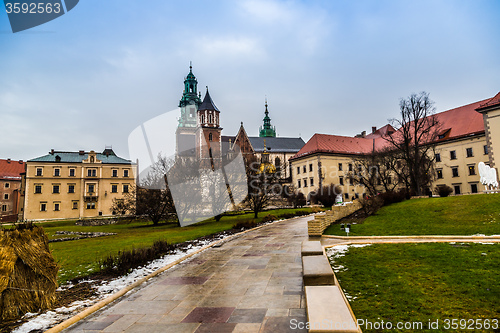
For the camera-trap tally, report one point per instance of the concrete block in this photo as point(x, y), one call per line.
point(317, 271)
point(311, 248)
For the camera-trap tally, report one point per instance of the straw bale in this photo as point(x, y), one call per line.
point(28, 273)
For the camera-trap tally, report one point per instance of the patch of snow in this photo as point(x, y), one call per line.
point(485, 243)
point(340, 250)
point(43, 321)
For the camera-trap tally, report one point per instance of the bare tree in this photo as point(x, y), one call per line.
point(414, 141)
point(263, 186)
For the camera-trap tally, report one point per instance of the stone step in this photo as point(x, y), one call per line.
point(317, 271)
point(311, 248)
point(327, 310)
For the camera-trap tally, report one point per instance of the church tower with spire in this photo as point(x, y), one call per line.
point(208, 133)
point(267, 131)
point(189, 104)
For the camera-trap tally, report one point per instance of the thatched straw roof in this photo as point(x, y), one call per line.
point(28, 272)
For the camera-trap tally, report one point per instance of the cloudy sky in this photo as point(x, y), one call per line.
point(88, 78)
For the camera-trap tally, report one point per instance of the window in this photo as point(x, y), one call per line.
point(310, 167)
point(305, 182)
point(469, 153)
point(454, 171)
point(298, 170)
point(485, 149)
point(57, 206)
point(91, 188)
point(75, 204)
point(114, 173)
point(304, 168)
point(379, 180)
point(210, 137)
point(202, 118)
point(298, 183)
point(437, 157)
point(389, 180)
point(114, 188)
point(439, 173)
point(43, 206)
point(39, 172)
point(55, 188)
point(125, 188)
point(7, 185)
point(346, 195)
point(57, 172)
point(91, 172)
point(341, 180)
point(71, 188)
point(6, 196)
point(90, 205)
point(472, 170)
point(351, 181)
point(350, 167)
point(311, 181)
point(457, 189)
point(38, 188)
point(210, 119)
point(72, 172)
point(125, 173)
point(340, 166)
point(473, 188)
point(4, 208)
point(453, 155)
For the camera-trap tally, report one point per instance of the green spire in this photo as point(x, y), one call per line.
point(190, 100)
point(267, 130)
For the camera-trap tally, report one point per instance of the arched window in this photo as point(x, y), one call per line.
point(277, 164)
point(210, 119)
point(210, 137)
point(190, 88)
point(202, 119)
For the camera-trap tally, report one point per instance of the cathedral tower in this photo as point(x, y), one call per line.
point(208, 133)
point(267, 130)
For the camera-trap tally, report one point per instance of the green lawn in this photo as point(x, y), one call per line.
point(456, 215)
point(81, 257)
point(419, 282)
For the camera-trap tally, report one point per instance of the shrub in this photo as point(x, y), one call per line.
point(269, 218)
point(391, 197)
point(297, 199)
point(370, 205)
point(443, 190)
point(326, 195)
point(290, 215)
point(316, 209)
point(248, 224)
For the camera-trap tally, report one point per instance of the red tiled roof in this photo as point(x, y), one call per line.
point(11, 169)
point(455, 123)
point(492, 102)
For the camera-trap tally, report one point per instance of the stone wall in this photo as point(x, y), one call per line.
point(317, 226)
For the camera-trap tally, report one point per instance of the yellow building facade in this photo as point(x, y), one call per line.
point(75, 185)
point(491, 116)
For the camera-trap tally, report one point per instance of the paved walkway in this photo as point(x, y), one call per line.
point(250, 284)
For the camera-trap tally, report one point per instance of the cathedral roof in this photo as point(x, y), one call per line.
point(276, 144)
point(208, 103)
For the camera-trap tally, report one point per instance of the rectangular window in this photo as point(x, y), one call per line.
point(298, 170)
point(311, 181)
point(71, 188)
point(43, 206)
point(90, 205)
point(125, 188)
point(91, 188)
point(453, 155)
point(340, 166)
point(469, 153)
point(75, 204)
point(472, 170)
point(7, 185)
point(310, 167)
point(437, 157)
point(4, 208)
point(341, 180)
point(91, 172)
point(457, 189)
point(439, 173)
point(57, 172)
point(39, 172)
point(72, 172)
point(298, 183)
point(485, 149)
point(55, 188)
point(350, 167)
point(6, 196)
point(305, 182)
point(351, 181)
point(473, 188)
point(346, 196)
point(56, 206)
point(114, 188)
point(115, 173)
point(454, 171)
point(125, 173)
point(38, 188)
point(304, 168)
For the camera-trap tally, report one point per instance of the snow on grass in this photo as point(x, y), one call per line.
point(43, 321)
point(339, 251)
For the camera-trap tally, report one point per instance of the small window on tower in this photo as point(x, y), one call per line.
point(210, 137)
point(210, 119)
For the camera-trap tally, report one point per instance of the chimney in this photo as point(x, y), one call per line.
point(52, 152)
point(363, 134)
point(8, 160)
point(20, 161)
point(81, 152)
point(374, 129)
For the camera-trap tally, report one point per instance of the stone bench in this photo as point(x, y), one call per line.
point(317, 271)
point(328, 311)
point(311, 248)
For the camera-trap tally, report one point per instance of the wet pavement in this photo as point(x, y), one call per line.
point(249, 284)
